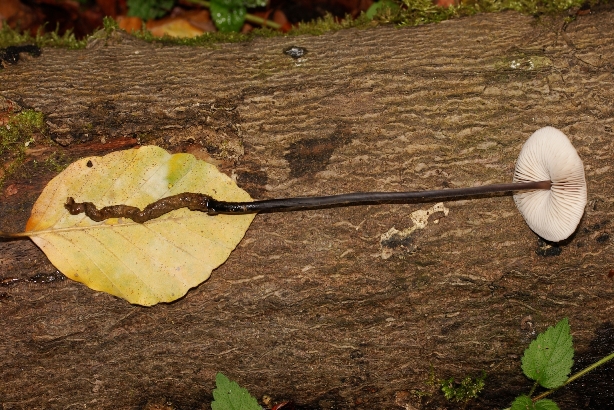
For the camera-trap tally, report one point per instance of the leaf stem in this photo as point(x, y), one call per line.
point(8, 235)
point(248, 17)
point(533, 389)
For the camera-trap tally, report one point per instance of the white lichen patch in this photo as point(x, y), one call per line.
point(395, 240)
point(524, 62)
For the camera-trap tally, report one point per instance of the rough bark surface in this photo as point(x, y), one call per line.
point(306, 308)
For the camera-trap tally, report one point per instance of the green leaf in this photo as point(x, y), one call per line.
point(546, 404)
point(549, 358)
point(229, 4)
point(525, 403)
point(149, 9)
point(381, 5)
point(228, 395)
point(228, 18)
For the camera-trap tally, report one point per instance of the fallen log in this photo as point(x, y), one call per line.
point(314, 306)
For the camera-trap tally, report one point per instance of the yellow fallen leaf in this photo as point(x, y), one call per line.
point(174, 27)
point(157, 261)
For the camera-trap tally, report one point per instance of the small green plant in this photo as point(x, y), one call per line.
point(149, 9)
point(548, 361)
point(460, 392)
point(464, 391)
point(109, 24)
point(228, 395)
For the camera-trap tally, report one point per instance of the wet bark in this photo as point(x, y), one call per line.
point(311, 306)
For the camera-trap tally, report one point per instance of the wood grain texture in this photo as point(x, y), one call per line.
point(306, 308)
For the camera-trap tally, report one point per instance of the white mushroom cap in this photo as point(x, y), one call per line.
point(548, 155)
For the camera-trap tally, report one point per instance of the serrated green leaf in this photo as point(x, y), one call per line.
point(227, 19)
point(549, 358)
point(228, 395)
point(546, 404)
point(525, 403)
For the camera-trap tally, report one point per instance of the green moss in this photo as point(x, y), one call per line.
point(464, 391)
point(20, 129)
point(20, 132)
point(416, 12)
point(10, 37)
point(329, 23)
point(55, 162)
point(109, 24)
point(204, 40)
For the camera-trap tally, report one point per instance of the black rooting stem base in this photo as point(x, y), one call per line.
point(204, 203)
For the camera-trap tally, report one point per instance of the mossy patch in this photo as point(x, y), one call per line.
point(10, 37)
point(19, 131)
point(463, 391)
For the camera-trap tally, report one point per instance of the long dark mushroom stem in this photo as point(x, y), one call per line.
point(204, 203)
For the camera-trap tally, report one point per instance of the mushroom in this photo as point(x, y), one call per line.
point(548, 181)
point(555, 213)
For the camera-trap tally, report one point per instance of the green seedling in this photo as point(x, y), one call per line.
point(548, 361)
